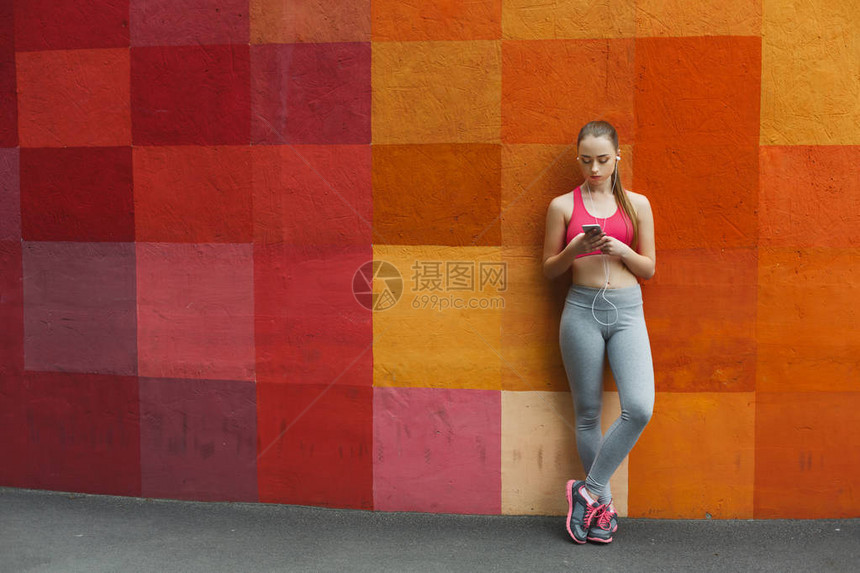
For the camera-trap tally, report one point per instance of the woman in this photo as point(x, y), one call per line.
point(602, 316)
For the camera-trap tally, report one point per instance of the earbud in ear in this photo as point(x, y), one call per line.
point(618, 157)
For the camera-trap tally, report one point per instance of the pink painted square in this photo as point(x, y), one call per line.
point(188, 22)
point(198, 439)
point(195, 311)
point(310, 93)
point(312, 194)
point(437, 450)
point(79, 307)
point(310, 329)
point(10, 195)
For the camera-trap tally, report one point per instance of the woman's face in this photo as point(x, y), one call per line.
point(597, 159)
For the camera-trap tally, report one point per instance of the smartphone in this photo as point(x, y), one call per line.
point(595, 229)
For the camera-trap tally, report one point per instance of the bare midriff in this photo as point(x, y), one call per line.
point(588, 271)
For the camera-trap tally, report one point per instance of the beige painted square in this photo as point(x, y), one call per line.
point(539, 452)
point(423, 341)
point(568, 19)
point(436, 92)
point(678, 18)
point(810, 88)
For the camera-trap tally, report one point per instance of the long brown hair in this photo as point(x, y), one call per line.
point(605, 129)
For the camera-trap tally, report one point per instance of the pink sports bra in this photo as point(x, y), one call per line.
point(618, 225)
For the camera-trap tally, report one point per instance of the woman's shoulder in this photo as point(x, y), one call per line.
point(637, 199)
point(561, 202)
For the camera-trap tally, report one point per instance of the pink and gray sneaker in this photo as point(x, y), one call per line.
point(581, 512)
point(605, 525)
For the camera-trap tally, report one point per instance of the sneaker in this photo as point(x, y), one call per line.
point(604, 526)
point(580, 512)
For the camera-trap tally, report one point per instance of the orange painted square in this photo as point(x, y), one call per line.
point(809, 196)
point(702, 195)
point(700, 18)
point(696, 458)
point(445, 194)
point(288, 21)
point(532, 175)
point(552, 88)
point(436, 20)
point(436, 92)
point(808, 338)
point(568, 19)
point(192, 194)
point(698, 90)
point(74, 98)
point(700, 308)
point(806, 455)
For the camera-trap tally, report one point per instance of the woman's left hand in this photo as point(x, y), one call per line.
point(612, 246)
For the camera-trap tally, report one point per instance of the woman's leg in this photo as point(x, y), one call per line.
point(582, 351)
point(629, 352)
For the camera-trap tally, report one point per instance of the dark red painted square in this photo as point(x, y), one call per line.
point(198, 439)
point(311, 93)
point(70, 24)
point(309, 328)
point(188, 22)
point(83, 433)
point(696, 89)
point(77, 194)
point(80, 307)
point(312, 194)
point(315, 445)
point(10, 195)
point(190, 95)
point(13, 427)
point(8, 89)
point(11, 309)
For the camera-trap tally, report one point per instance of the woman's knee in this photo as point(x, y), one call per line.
point(639, 413)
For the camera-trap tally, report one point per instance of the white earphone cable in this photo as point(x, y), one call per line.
point(606, 270)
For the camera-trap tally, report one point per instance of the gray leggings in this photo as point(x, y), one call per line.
point(584, 343)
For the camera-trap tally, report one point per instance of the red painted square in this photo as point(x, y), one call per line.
point(543, 103)
point(188, 22)
point(10, 195)
point(198, 439)
point(310, 329)
point(806, 465)
point(74, 98)
point(70, 24)
point(197, 95)
point(791, 214)
point(312, 194)
point(80, 307)
point(311, 93)
point(315, 445)
point(698, 89)
point(83, 433)
point(703, 195)
point(437, 450)
point(701, 313)
point(214, 205)
point(77, 194)
point(195, 311)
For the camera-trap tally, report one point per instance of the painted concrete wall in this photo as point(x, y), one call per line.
point(189, 190)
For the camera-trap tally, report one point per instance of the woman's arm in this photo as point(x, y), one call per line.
point(558, 257)
point(641, 262)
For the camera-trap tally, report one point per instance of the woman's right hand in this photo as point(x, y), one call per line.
point(585, 243)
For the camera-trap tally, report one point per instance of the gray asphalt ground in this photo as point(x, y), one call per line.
point(51, 531)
